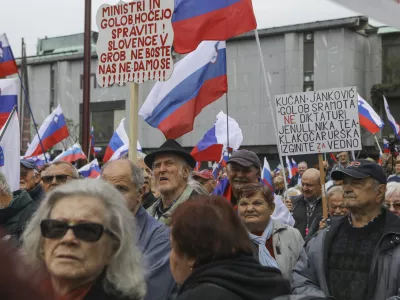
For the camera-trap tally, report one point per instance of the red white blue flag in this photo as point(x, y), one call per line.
point(7, 62)
point(8, 98)
point(72, 154)
point(392, 121)
point(369, 119)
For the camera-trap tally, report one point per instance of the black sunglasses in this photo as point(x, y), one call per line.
point(59, 178)
point(88, 232)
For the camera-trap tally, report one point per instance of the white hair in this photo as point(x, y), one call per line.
point(392, 188)
point(124, 274)
point(4, 186)
point(334, 190)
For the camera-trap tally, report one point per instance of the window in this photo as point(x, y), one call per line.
point(52, 87)
point(308, 61)
point(391, 58)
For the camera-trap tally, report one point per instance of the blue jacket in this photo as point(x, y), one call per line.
point(153, 241)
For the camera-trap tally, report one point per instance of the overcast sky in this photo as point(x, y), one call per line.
point(40, 18)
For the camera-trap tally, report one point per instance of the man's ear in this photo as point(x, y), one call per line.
point(185, 172)
point(381, 193)
point(38, 178)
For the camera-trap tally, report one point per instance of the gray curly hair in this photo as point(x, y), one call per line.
point(124, 274)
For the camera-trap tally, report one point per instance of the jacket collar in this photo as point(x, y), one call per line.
point(277, 226)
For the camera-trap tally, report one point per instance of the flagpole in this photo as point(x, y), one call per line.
point(379, 146)
point(4, 128)
point(270, 101)
point(33, 118)
point(227, 122)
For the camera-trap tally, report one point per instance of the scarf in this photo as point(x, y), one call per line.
point(264, 256)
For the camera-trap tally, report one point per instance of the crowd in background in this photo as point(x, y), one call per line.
point(157, 230)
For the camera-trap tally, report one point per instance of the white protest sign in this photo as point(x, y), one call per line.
point(134, 42)
point(384, 11)
point(317, 122)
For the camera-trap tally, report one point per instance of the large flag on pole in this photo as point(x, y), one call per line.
point(119, 139)
point(392, 121)
point(195, 21)
point(266, 175)
point(369, 119)
point(10, 150)
point(121, 151)
point(198, 80)
point(7, 62)
point(215, 140)
point(53, 130)
point(8, 98)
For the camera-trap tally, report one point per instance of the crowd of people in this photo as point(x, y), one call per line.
point(157, 230)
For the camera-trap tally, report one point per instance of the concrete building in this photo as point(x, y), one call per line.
point(312, 56)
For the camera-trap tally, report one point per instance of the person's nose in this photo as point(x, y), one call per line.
point(69, 237)
point(391, 207)
point(338, 211)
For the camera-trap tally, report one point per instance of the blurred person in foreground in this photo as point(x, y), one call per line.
point(244, 168)
point(392, 197)
point(171, 165)
point(58, 173)
point(212, 256)
point(16, 208)
point(82, 234)
point(153, 236)
point(278, 245)
point(357, 257)
point(336, 209)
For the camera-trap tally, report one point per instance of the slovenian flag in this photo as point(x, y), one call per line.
point(215, 140)
point(198, 80)
point(266, 175)
point(386, 148)
point(8, 98)
point(289, 167)
point(195, 21)
point(124, 150)
point(40, 160)
point(72, 154)
point(119, 139)
point(392, 121)
point(7, 62)
point(53, 130)
point(369, 119)
point(91, 170)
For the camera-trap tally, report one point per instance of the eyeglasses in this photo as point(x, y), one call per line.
point(396, 205)
point(62, 178)
point(88, 232)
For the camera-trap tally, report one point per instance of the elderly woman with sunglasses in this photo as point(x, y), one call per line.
point(278, 245)
point(392, 197)
point(82, 234)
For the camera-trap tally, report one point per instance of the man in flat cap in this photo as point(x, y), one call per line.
point(29, 180)
point(357, 256)
point(171, 166)
point(244, 167)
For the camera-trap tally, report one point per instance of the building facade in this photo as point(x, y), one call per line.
point(304, 57)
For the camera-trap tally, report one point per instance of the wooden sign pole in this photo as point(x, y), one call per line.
point(133, 120)
point(322, 180)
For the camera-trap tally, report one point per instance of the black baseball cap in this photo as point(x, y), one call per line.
point(29, 164)
point(245, 158)
point(361, 168)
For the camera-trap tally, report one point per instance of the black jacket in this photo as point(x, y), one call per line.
point(148, 200)
point(37, 195)
point(16, 214)
point(294, 181)
point(300, 214)
point(241, 278)
point(97, 292)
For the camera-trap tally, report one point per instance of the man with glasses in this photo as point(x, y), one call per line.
point(392, 197)
point(307, 206)
point(58, 173)
point(357, 257)
point(244, 167)
point(30, 181)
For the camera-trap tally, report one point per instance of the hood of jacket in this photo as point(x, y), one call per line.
point(21, 199)
point(243, 276)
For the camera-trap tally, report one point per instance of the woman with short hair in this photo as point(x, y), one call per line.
point(212, 256)
point(278, 245)
point(83, 234)
point(392, 197)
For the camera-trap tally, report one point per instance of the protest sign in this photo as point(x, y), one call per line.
point(134, 43)
point(318, 122)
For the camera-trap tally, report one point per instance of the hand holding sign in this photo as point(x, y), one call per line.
point(135, 40)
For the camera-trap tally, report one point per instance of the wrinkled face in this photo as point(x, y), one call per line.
point(28, 179)
point(118, 173)
point(169, 173)
point(239, 175)
point(310, 186)
point(393, 203)
point(49, 178)
point(71, 259)
point(180, 265)
point(361, 194)
point(302, 168)
point(147, 173)
point(336, 205)
point(255, 212)
point(343, 157)
point(397, 168)
point(279, 183)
